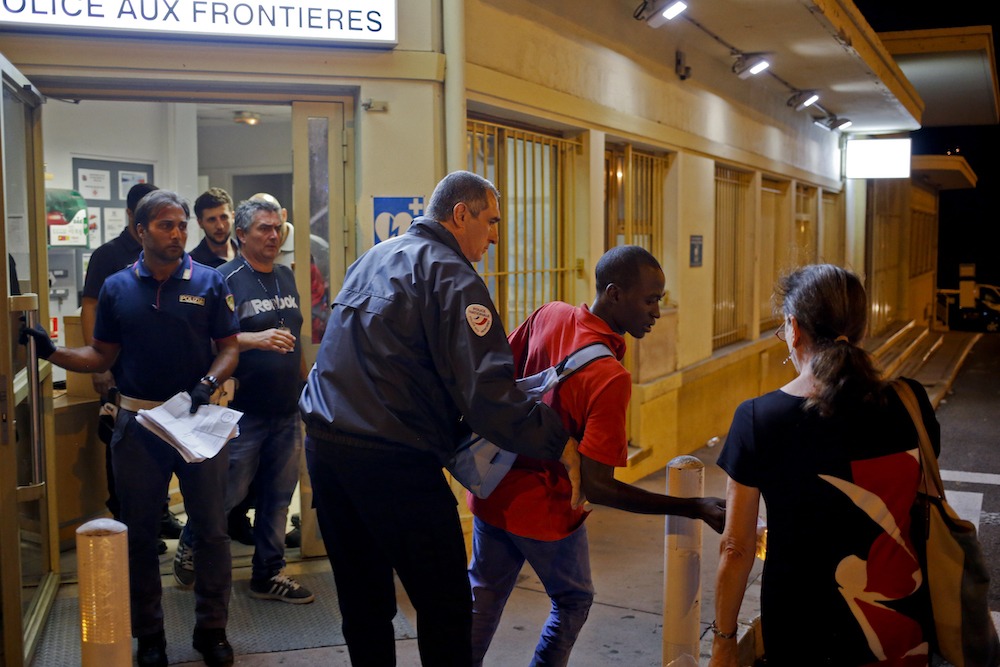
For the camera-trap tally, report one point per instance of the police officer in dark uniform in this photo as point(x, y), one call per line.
point(157, 320)
point(413, 356)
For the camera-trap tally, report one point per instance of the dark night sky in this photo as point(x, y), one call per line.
point(969, 219)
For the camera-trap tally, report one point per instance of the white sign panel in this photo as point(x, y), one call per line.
point(127, 180)
point(350, 22)
point(94, 227)
point(94, 183)
point(115, 220)
point(878, 158)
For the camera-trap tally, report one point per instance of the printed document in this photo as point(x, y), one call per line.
point(196, 437)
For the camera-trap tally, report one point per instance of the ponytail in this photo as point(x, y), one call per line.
point(830, 305)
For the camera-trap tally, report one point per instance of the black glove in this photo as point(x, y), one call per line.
point(43, 344)
point(199, 396)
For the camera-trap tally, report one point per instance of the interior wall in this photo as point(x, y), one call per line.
point(238, 149)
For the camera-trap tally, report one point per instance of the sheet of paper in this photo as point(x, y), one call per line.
point(94, 184)
point(197, 436)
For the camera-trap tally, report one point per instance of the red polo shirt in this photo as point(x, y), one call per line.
point(533, 500)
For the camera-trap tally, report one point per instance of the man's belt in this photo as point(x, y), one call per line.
point(136, 404)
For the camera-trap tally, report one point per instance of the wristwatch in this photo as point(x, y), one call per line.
point(213, 382)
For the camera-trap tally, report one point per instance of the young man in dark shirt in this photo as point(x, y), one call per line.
point(214, 210)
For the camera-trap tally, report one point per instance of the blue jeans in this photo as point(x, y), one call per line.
point(143, 464)
point(564, 569)
point(266, 450)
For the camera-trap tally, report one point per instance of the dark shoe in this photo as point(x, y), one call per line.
point(184, 565)
point(281, 587)
point(152, 651)
point(240, 529)
point(213, 646)
point(293, 540)
point(161, 547)
point(170, 527)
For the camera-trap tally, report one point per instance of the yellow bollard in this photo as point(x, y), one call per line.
point(682, 567)
point(105, 622)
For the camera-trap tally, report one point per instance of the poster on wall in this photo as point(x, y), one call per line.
point(127, 179)
point(115, 221)
point(697, 248)
point(94, 227)
point(393, 215)
point(94, 184)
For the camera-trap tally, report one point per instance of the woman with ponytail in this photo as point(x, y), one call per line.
point(834, 455)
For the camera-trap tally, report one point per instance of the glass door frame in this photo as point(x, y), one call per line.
point(339, 116)
point(22, 630)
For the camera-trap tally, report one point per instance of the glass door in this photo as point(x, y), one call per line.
point(324, 218)
point(29, 558)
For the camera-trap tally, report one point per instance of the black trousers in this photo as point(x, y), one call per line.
point(382, 510)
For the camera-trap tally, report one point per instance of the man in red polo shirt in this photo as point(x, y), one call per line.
point(529, 515)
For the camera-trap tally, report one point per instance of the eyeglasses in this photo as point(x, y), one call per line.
point(780, 333)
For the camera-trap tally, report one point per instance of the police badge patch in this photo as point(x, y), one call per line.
point(231, 302)
point(480, 319)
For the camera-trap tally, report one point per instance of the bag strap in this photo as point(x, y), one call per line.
point(582, 357)
point(932, 483)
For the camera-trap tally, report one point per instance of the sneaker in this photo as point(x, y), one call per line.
point(281, 587)
point(184, 565)
point(170, 526)
point(161, 547)
point(213, 646)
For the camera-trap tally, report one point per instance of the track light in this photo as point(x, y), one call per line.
point(749, 64)
point(667, 11)
point(248, 117)
point(803, 99)
point(831, 123)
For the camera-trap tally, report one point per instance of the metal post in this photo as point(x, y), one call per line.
point(682, 565)
point(105, 622)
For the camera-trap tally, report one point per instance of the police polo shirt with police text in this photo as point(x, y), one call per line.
point(166, 329)
point(270, 381)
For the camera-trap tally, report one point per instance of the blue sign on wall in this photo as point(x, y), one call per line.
point(393, 215)
point(697, 248)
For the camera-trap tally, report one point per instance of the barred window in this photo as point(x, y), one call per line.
point(923, 231)
point(633, 202)
point(804, 234)
point(775, 242)
point(731, 278)
point(535, 175)
point(884, 216)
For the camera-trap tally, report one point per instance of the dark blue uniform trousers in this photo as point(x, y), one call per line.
point(143, 464)
point(382, 510)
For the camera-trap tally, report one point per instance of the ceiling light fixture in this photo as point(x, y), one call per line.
point(667, 11)
point(803, 99)
point(831, 123)
point(750, 64)
point(248, 117)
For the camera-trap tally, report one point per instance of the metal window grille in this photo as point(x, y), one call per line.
point(805, 225)
point(923, 231)
point(731, 278)
point(633, 202)
point(774, 245)
point(535, 174)
point(834, 233)
point(883, 219)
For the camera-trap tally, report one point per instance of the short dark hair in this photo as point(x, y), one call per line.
point(211, 198)
point(150, 206)
point(460, 187)
point(249, 208)
point(622, 265)
point(135, 195)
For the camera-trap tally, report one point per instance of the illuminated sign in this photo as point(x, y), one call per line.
point(348, 22)
point(878, 158)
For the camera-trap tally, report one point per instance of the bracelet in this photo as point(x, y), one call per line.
point(722, 635)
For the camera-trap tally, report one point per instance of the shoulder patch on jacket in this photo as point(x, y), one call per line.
point(480, 319)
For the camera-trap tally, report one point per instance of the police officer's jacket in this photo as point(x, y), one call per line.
point(414, 355)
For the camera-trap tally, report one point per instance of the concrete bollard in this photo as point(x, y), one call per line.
point(682, 565)
point(105, 620)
